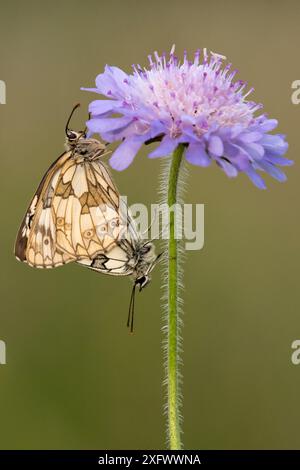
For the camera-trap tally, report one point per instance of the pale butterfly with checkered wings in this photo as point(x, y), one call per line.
point(77, 215)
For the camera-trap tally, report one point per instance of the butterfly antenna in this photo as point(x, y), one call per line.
point(159, 234)
point(129, 309)
point(151, 223)
point(132, 313)
point(130, 318)
point(86, 129)
point(157, 259)
point(70, 117)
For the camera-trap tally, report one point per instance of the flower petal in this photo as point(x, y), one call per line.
point(229, 169)
point(98, 107)
point(102, 125)
point(125, 153)
point(94, 90)
point(165, 148)
point(106, 85)
point(236, 130)
point(248, 137)
point(255, 178)
point(278, 160)
point(274, 144)
point(196, 155)
point(270, 140)
point(112, 82)
point(240, 161)
point(273, 171)
point(268, 125)
point(256, 151)
point(215, 146)
point(118, 75)
point(237, 156)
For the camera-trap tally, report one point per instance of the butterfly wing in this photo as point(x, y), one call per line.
point(76, 215)
point(117, 262)
point(122, 257)
point(86, 208)
point(92, 221)
point(36, 239)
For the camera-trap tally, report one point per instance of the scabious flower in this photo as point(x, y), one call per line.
point(196, 103)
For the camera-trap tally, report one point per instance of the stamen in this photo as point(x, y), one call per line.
point(172, 50)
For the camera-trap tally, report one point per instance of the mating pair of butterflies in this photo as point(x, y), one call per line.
point(77, 215)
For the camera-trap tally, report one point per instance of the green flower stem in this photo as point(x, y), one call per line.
point(173, 320)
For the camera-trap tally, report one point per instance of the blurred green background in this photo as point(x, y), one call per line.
point(74, 377)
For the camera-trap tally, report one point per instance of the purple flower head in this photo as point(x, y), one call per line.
point(196, 103)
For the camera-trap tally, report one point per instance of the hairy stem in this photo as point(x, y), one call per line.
point(173, 405)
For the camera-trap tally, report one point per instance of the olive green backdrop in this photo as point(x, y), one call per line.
point(74, 377)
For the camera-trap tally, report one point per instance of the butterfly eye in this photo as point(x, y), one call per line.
point(147, 248)
point(142, 281)
point(71, 135)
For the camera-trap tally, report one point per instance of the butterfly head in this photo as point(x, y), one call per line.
point(142, 281)
point(147, 260)
point(86, 148)
point(72, 137)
